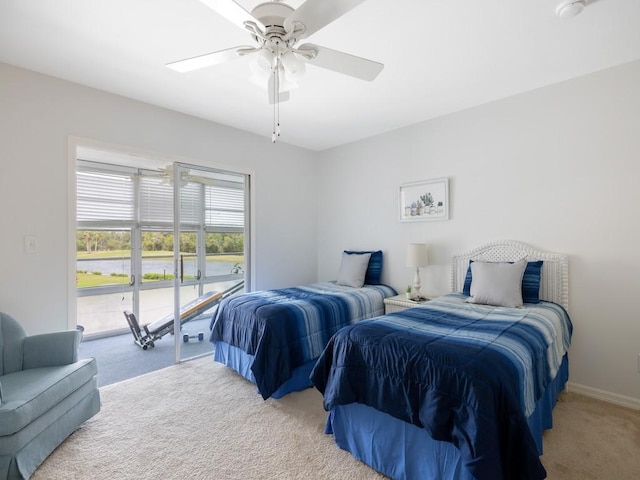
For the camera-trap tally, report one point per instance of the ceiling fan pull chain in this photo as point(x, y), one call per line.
point(275, 101)
point(274, 72)
point(276, 93)
point(278, 65)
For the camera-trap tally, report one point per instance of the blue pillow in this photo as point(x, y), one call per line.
point(466, 290)
point(374, 270)
point(530, 282)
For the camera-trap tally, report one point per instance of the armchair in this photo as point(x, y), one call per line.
point(45, 394)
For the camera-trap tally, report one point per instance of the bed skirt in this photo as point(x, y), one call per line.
point(241, 362)
point(404, 451)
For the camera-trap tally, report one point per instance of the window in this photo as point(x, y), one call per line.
point(125, 235)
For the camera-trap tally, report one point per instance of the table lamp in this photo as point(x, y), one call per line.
point(416, 258)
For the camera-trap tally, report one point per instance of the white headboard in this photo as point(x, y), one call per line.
point(554, 284)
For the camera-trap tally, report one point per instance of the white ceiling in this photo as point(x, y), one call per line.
point(440, 56)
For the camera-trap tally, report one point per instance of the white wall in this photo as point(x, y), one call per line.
point(557, 168)
point(38, 114)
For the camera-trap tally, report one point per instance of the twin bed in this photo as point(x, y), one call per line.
point(453, 389)
point(274, 337)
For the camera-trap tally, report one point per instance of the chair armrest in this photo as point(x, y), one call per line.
point(51, 349)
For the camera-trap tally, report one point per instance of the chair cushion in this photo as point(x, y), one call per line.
point(30, 393)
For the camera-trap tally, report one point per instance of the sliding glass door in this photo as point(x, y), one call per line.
point(155, 243)
point(210, 218)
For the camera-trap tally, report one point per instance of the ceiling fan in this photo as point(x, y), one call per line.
point(168, 175)
point(276, 29)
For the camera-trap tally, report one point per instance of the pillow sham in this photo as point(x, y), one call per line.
point(353, 269)
point(530, 282)
point(374, 269)
point(497, 283)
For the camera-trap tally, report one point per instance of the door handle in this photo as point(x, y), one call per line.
point(199, 275)
point(132, 280)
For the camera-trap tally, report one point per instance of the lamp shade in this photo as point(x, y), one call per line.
point(417, 255)
point(293, 67)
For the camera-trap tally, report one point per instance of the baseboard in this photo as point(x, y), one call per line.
point(605, 396)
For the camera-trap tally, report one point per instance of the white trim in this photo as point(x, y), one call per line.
point(605, 396)
point(72, 313)
point(162, 159)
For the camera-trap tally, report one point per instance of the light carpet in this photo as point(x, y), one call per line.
point(200, 420)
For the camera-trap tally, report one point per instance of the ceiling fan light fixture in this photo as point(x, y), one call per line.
point(276, 28)
point(285, 82)
point(570, 8)
point(294, 68)
point(260, 66)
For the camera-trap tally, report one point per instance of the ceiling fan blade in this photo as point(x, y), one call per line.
point(207, 60)
point(232, 12)
point(315, 14)
point(282, 97)
point(341, 62)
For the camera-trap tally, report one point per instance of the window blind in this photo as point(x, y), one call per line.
point(108, 197)
point(156, 201)
point(224, 208)
point(104, 197)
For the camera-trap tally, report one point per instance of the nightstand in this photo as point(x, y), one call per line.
point(399, 303)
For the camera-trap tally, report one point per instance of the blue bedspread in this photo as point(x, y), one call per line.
point(286, 328)
point(468, 374)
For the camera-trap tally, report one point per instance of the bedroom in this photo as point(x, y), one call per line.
point(556, 167)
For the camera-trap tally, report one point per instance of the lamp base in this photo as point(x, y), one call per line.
point(415, 291)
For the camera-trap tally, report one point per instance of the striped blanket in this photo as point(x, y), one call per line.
point(284, 329)
point(469, 374)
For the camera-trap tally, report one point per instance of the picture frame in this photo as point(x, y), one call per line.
point(424, 200)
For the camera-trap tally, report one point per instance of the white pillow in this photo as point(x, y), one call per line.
point(353, 269)
point(497, 283)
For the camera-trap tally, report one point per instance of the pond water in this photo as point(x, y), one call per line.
point(161, 266)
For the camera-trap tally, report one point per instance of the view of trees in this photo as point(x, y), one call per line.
point(97, 241)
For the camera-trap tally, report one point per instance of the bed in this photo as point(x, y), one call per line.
point(453, 389)
point(273, 337)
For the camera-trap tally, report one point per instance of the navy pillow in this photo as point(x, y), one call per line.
point(530, 282)
point(466, 290)
point(374, 270)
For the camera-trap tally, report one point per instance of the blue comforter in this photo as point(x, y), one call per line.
point(286, 328)
point(468, 374)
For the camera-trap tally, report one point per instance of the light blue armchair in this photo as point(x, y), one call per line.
point(45, 394)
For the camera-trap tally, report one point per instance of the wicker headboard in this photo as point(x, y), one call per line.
point(554, 284)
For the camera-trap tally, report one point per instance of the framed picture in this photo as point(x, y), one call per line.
point(425, 200)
